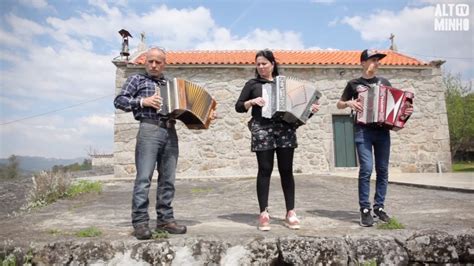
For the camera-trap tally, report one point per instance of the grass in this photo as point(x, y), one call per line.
point(463, 167)
point(10, 260)
point(159, 234)
point(89, 232)
point(82, 187)
point(372, 262)
point(392, 224)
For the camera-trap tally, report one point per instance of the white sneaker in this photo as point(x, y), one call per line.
point(291, 220)
point(264, 221)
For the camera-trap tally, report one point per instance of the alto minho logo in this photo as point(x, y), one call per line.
point(451, 17)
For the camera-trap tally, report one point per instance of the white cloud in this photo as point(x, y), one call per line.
point(16, 104)
point(63, 61)
point(415, 35)
point(105, 121)
point(34, 3)
point(257, 39)
point(24, 27)
point(317, 48)
point(54, 136)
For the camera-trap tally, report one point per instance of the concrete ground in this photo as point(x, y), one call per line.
point(227, 208)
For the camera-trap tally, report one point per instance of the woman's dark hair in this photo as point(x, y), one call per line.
point(270, 57)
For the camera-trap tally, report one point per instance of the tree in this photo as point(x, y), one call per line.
point(460, 108)
point(11, 169)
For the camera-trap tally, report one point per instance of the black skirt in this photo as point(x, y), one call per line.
point(271, 134)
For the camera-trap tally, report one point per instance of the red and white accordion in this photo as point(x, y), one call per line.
point(383, 105)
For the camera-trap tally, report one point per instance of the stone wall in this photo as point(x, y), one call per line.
point(419, 248)
point(102, 160)
point(224, 149)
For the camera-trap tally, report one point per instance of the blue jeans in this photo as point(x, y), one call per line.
point(156, 147)
point(379, 139)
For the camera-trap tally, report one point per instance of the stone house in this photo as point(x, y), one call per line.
point(325, 143)
point(102, 159)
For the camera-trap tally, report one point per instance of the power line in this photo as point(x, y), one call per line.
point(56, 110)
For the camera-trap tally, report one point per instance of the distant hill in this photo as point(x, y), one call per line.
point(33, 163)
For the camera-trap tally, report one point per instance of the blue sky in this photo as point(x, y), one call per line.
point(56, 54)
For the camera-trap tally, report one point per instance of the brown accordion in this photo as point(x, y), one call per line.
point(188, 102)
point(289, 99)
point(383, 105)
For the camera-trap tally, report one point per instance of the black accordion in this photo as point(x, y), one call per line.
point(289, 99)
point(188, 102)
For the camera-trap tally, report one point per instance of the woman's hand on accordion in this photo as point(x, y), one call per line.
point(315, 107)
point(258, 101)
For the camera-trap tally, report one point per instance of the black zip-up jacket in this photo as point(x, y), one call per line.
point(251, 90)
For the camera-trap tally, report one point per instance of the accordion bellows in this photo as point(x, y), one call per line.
point(188, 102)
point(289, 99)
point(383, 105)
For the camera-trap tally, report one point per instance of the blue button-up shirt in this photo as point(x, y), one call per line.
point(137, 87)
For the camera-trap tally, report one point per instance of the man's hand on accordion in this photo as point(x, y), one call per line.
point(408, 109)
point(213, 115)
point(315, 107)
point(355, 105)
point(153, 101)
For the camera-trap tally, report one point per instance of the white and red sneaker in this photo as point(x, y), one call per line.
point(291, 220)
point(264, 221)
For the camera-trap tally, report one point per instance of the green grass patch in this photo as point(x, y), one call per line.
point(463, 167)
point(392, 224)
point(89, 232)
point(200, 190)
point(372, 262)
point(159, 234)
point(82, 187)
point(10, 260)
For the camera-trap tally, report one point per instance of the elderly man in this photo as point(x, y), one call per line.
point(156, 146)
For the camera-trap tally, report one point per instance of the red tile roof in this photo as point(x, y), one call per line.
point(284, 57)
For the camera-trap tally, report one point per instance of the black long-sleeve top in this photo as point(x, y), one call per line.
point(251, 90)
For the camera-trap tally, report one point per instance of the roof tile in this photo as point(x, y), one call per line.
point(283, 57)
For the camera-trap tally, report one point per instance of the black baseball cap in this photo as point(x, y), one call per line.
point(369, 53)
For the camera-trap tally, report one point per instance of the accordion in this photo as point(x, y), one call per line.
point(383, 105)
point(188, 102)
point(289, 99)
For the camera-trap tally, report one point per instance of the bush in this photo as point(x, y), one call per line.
point(52, 186)
point(48, 188)
point(10, 170)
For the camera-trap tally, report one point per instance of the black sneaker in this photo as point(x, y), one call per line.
point(142, 231)
point(381, 214)
point(366, 219)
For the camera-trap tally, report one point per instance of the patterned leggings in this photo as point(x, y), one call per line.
point(285, 167)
